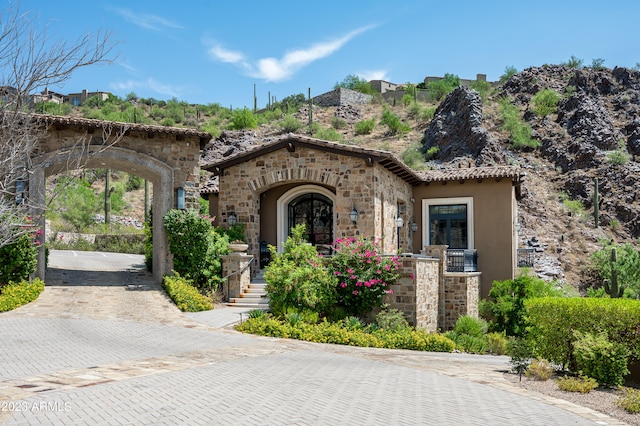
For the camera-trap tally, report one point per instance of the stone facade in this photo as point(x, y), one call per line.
point(461, 296)
point(356, 182)
point(341, 96)
point(234, 267)
point(415, 293)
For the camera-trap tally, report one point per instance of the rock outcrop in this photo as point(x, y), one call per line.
point(457, 131)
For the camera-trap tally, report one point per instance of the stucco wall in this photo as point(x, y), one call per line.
point(494, 216)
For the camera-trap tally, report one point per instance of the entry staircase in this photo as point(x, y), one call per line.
point(253, 296)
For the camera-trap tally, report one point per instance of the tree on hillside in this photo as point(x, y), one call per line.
point(356, 83)
point(30, 61)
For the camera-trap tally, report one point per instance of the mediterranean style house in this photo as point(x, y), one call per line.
point(465, 217)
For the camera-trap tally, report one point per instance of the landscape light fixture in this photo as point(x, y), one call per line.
point(232, 219)
point(180, 198)
point(354, 216)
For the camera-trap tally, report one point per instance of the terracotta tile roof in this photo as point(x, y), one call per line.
point(92, 123)
point(473, 173)
point(211, 186)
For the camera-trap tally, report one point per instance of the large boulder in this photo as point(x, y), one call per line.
point(457, 131)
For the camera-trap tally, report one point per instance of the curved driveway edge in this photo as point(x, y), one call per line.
point(92, 350)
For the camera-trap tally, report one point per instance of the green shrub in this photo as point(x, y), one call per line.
point(363, 274)
point(19, 259)
point(391, 319)
point(601, 359)
point(20, 293)
point(482, 87)
point(520, 354)
point(432, 152)
point(440, 88)
point(496, 343)
point(297, 278)
point(243, 119)
point(509, 71)
point(258, 313)
point(575, 207)
point(466, 324)
point(618, 157)
point(413, 158)
point(147, 228)
point(196, 247)
point(629, 400)
point(576, 384)
point(573, 62)
point(365, 127)
point(504, 309)
point(76, 202)
point(393, 123)
point(545, 102)
point(353, 323)
point(186, 297)
point(519, 132)
point(290, 124)
point(539, 369)
point(553, 321)
point(328, 134)
point(353, 82)
point(348, 332)
point(338, 123)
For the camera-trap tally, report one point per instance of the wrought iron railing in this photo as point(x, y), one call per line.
point(462, 260)
point(526, 257)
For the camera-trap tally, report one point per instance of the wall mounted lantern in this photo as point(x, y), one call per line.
point(399, 222)
point(414, 227)
point(180, 198)
point(232, 219)
point(354, 216)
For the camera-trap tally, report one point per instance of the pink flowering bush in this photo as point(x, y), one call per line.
point(364, 274)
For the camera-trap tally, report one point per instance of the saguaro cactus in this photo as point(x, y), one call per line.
point(596, 203)
point(612, 287)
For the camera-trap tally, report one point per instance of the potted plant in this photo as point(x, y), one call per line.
point(238, 246)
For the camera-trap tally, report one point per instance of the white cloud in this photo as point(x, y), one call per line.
point(220, 53)
point(373, 75)
point(276, 70)
point(150, 22)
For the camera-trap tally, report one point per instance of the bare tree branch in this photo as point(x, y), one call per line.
point(30, 61)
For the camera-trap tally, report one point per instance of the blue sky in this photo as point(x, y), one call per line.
point(215, 52)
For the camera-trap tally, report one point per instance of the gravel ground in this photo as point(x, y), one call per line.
point(600, 399)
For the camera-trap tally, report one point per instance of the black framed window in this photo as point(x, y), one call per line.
point(316, 212)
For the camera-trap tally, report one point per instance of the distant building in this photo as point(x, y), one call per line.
point(77, 99)
point(48, 96)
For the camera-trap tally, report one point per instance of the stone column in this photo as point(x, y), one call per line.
point(236, 283)
point(441, 253)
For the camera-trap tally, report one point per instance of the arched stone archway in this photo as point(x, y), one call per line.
point(167, 157)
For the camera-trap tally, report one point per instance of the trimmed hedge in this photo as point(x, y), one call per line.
point(18, 294)
point(186, 297)
point(554, 321)
point(337, 333)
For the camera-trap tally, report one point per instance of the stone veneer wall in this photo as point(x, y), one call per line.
point(462, 294)
point(355, 183)
point(416, 292)
point(390, 190)
point(341, 96)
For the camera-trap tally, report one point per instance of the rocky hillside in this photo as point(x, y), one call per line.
point(594, 132)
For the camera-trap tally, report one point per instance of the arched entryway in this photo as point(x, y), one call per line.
point(166, 156)
point(313, 206)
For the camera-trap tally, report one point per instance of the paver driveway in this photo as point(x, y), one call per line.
point(103, 345)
